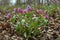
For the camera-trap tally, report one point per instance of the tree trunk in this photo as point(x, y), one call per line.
point(5, 2)
point(38, 2)
point(18, 2)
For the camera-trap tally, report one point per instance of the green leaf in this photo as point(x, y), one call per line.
point(13, 19)
point(25, 35)
point(18, 29)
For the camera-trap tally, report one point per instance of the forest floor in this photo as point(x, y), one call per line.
point(50, 32)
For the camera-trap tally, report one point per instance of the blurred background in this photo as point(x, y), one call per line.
point(27, 2)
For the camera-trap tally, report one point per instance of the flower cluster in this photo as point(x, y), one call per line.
point(19, 10)
point(28, 20)
point(28, 10)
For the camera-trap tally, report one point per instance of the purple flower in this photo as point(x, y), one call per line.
point(15, 10)
point(39, 11)
point(46, 16)
point(25, 11)
point(19, 10)
point(8, 16)
point(29, 8)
